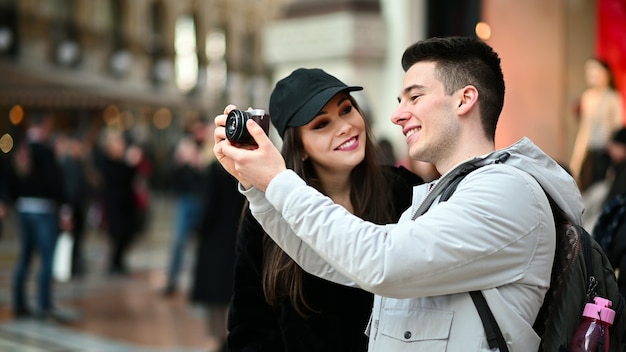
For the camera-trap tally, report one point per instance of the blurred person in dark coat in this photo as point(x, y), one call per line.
point(72, 153)
point(610, 228)
point(117, 163)
point(3, 191)
point(617, 170)
point(215, 257)
point(35, 186)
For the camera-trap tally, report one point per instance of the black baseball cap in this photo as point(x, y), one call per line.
point(299, 97)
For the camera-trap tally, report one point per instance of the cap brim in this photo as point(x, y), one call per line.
point(311, 108)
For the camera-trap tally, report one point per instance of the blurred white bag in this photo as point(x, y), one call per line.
point(62, 265)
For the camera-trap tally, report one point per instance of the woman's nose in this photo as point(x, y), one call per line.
point(344, 128)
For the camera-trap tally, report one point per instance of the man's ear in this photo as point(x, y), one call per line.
point(468, 97)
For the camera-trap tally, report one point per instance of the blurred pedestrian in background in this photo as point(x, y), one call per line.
point(141, 189)
point(600, 117)
point(609, 229)
point(187, 182)
point(117, 163)
point(72, 153)
point(3, 191)
point(617, 170)
point(212, 285)
point(36, 186)
point(598, 195)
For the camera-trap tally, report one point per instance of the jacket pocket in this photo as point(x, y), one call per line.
point(421, 328)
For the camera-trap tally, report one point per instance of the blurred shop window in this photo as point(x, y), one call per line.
point(215, 75)
point(186, 64)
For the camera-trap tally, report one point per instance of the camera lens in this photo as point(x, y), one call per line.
point(236, 127)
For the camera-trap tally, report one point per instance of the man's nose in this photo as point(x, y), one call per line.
point(400, 115)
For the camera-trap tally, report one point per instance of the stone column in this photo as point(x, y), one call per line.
point(235, 32)
point(33, 26)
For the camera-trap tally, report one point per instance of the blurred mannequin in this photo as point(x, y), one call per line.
point(601, 116)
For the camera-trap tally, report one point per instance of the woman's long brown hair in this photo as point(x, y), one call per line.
point(282, 277)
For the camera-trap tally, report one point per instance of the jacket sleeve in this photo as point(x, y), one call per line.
point(252, 322)
point(280, 231)
point(482, 237)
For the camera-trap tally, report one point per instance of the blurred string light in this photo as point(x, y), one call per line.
point(6, 143)
point(16, 115)
point(121, 62)
point(111, 115)
point(68, 53)
point(162, 118)
point(483, 30)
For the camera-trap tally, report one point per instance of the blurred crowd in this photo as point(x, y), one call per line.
point(56, 183)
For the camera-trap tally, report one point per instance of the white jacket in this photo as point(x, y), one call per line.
point(496, 234)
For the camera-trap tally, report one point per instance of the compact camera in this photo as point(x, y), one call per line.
point(236, 130)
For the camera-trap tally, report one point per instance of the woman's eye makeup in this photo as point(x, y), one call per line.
point(320, 124)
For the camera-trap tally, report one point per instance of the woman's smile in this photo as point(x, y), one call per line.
point(350, 144)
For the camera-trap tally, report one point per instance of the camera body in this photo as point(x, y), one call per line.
point(236, 130)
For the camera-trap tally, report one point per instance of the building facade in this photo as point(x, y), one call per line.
point(154, 64)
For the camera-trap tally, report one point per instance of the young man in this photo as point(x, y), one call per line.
point(496, 233)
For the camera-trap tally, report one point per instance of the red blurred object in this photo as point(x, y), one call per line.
point(611, 40)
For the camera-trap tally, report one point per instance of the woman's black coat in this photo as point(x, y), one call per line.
point(255, 326)
point(217, 234)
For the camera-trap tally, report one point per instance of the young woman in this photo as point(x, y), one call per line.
point(277, 306)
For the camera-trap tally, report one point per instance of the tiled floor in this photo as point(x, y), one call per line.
point(109, 314)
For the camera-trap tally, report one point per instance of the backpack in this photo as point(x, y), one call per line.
point(580, 272)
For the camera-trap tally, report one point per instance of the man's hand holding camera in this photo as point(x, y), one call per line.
point(252, 165)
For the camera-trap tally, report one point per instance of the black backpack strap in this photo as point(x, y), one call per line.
point(492, 330)
point(448, 183)
point(592, 282)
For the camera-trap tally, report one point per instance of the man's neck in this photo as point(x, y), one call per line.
point(475, 149)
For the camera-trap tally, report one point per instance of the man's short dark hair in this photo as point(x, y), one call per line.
point(462, 61)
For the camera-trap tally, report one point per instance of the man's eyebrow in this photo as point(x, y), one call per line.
point(408, 89)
